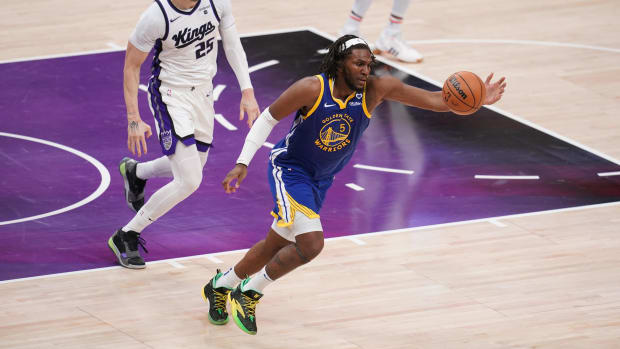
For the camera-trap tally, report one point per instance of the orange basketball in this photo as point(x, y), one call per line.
point(463, 92)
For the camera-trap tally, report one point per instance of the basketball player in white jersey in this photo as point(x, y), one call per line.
point(183, 35)
point(390, 42)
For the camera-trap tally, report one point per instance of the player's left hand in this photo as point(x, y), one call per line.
point(237, 174)
point(495, 90)
point(248, 105)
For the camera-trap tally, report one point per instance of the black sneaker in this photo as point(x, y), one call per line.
point(217, 298)
point(125, 247)
point(243, 306)
point(134, 186)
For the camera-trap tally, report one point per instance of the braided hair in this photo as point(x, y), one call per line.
point(338, 53)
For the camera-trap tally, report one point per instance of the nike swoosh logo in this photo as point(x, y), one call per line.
point(328, 105)
point(174, 19)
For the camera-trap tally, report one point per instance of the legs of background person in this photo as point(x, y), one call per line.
point(352, 25)
point(390, 41)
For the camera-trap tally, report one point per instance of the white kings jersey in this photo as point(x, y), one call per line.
point(185, 42)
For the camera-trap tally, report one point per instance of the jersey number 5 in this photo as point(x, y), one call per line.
point(204, 46)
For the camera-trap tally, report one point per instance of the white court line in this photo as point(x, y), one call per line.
point(517, 42)
point(606, 174)
point(217, 91)
point(356, 240)
point(176, 264)
point(143, 87)
point(269, 145)
point(262, 65)
point(382, 169)
point(357, 237)
point(504, 177)
point(222, 120)
point(105, 178)
point(497, 223)
point(214, 259)
point(354, 186)
point(114, 46)
point(60, 55)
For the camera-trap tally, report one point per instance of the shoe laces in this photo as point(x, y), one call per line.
point(250, 305)
point(135, 240)
point(220, 299)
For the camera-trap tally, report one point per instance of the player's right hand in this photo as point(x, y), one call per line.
point(136, 130)
point(237, 174)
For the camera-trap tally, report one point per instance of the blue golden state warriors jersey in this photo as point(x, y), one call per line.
point(322, 141)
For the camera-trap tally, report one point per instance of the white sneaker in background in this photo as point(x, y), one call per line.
point(396, 47)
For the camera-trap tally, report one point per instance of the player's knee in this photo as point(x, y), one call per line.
point(190, 184)
point(310, 248)
point(193, 183)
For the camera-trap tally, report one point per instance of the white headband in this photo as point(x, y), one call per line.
point(353, 42)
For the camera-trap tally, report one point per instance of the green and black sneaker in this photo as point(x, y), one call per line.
point(134, 186)
point(217, 298)
point(243, 305)
point(124, 245)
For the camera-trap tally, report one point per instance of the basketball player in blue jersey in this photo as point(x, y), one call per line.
point(183, 34)
point(332, 111)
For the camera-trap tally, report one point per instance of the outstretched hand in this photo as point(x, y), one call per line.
point(136, 130)
point(248, 105)
point(237, 174)
point(495, 90)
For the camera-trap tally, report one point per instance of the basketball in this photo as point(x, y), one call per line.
point(463, 92)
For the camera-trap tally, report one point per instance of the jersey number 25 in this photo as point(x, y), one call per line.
point(204, 46)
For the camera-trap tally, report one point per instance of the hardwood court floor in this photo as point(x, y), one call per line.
point(547, 280)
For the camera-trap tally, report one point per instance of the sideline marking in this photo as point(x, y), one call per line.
point(348, 237)
point(382, 169)
point(354, 186)
point(607, 174)
point(505, 177)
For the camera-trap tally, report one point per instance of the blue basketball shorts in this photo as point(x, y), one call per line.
point(294, 192)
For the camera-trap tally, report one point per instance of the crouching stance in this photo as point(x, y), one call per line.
point(332, 111)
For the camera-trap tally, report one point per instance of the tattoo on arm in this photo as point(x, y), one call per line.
point(133, 126)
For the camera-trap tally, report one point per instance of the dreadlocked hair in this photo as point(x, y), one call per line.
point(337, 54)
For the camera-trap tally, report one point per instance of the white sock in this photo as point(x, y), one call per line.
point(360, 7)
point(229, 279)
point(357, 14)
point(138, 222)
point(399, 8)
point(258, 282)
